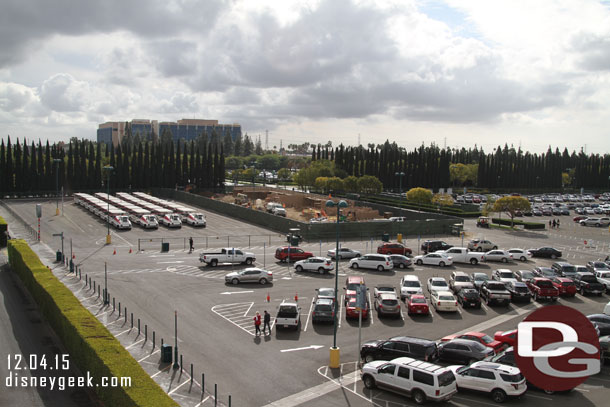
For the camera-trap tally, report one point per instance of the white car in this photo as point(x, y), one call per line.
point(279, 211)
point(603, 277)
point(344, 253)
point(504, 276)
point(379, 262)
point(498, 255)
point(433, 259)
point(171, 220)
point(321, 265)
point(500, 381)
point(410, 285)
point(521, 254)
point(195, 219)
point(443, 301)
point(437, 284)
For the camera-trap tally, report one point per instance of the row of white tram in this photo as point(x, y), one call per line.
point(142, 209)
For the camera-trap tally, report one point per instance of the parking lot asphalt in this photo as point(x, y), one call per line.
point(286, 368)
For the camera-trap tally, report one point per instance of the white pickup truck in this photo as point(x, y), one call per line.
point(463, 255)
point(227, 255)
point(288, 315)
point(604, 278)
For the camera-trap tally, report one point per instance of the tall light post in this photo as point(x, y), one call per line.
point(108, 169)
point(400, 175)
point(334, 351)
point(56, 161)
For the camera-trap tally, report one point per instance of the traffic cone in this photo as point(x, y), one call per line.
point(296, 296)
point(268, 298)
point(130, 250)
point(73, 256)
point(114, 252)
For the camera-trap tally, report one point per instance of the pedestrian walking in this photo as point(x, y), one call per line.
point(557, 223)
point(550, 224)
point(191, 246)
point(257, 324)
point(267, 323)
point(554, 223)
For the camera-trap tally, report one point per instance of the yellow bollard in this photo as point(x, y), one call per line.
point(108, 239)
point(335, 359)
point(399, 237)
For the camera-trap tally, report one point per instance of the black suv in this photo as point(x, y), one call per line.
point(564, 269)
point(399, 346)
point(586, 283)
point(430, 246)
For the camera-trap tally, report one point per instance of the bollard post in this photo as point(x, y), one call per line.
point(93, 286)
point(215, 394)
point(113, 307)
point(125, 314)
point(138, 326)
point(153, 339)
point(132, 319)
point(191, 373)
point(248, 241)
point(229, 400)
point(181, 361)
point(145, 332)
point(161, 342)
point(119, 309)
point(202, 383)
point(98, 291)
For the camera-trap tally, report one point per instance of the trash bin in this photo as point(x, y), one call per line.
point(165, 247)
point(385, 237)
point(58, 256)
point(294, 241)
point(71, 266)
point(166, 353)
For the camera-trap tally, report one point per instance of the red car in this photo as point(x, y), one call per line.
point(350, 308)
point(566, 286)
point(295, 254)
point(417, 304)
point(478, 337)
point(579, 218)
point(394, 248)
point(506, 337)
point(350, 286)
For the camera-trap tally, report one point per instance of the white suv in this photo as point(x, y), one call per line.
point(321, 265)
point(380, 262)
point(410, 285)
point(500, 381)
point(422, 380)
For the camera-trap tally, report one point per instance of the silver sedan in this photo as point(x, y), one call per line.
point(344, 253)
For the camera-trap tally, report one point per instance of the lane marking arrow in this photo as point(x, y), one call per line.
point(236, 292)
point(303, 348)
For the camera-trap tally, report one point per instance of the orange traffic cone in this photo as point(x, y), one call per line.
point(130, 250)
point(73, 256)
point(114, 252)
point(268, 298)
point(296, 296)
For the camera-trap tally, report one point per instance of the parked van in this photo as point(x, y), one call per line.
point(120, 222)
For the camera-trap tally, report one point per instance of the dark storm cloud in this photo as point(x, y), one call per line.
point(25, 22)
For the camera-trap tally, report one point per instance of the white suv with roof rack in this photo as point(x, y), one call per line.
point(421, 380)
point(500, 381)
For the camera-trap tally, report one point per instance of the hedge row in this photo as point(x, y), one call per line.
point(447, 210)
point(526, 225)
point(3, 229)
point(90, 345)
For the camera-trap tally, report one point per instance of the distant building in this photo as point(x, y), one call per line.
point(187, 129)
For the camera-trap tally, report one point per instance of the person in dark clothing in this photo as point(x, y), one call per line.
point(267, 321)
point(257, 324)
point(550, 224)
point(554, 223)
point(557, 223)
point(191, 246)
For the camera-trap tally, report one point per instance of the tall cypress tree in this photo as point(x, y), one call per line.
point(48, 168)
point(82, 166)
point(97, 179)
point(191, 175)
point(3, 170)
point(71, 185)
point(18, 168)
point(178, 164)
point(91, 167)
point(40, 171)
point(34, 180)
point(25, 168)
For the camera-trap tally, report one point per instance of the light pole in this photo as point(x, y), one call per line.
point(400, 175)
point(334, 351)
point(108, 169)
point(56, 161)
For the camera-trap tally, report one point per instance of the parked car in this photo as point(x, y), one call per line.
point(604, 278)
point(393, 248)
point(586, 283)
point(227, 255)
point(437, 284)
point(195, 219)
point(546, 272)
point(602, 321)
point(499, 381)
point(387, 304)
point(594, 266)
point(478, 279)
point(565, 286)
point(325, 293)
point(479, 337)
point(399, 346)
point(351, 284)
point(344, 253)
point(287, 254)
point(506, 357)
point(495, 292)
point(463, 351)
point(433, 259)
point(429, 246)
point(250, 275)
point(417, 304)
point(549, 252)
point(542, 288)
point(518, 291)
point(503, 275)
point(459, 280)
point(498, 255)
point(323, 310)
point(400, 261)
point(564, 269)
point(409, 285)
point(481, 245)
point(524, 275)
point(468, 297)
point(352, 311)
point(593, 222)
point(507, 338)
point(383, 289)
point(520, 254)
point(463, 255)
point(407, 376)
point(377, 262)
point(288, 315)
point(320, 265)
point(443, 301)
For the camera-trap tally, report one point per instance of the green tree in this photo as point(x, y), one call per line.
point(442, 199)
point(268, 162)
point(420, 196)
point(284, 175)
point(369, 184)
point(511, 205)
point(351, 184)
point(227, 142)
point(321, 184)
point(335, 184)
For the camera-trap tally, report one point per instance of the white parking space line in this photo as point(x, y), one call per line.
point(146, 357)
point(134, 344)
point(484, 307)
point(248, 310)
point(308, 315)
point(370, 310)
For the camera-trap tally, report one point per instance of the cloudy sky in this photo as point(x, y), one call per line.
point(463, 72)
